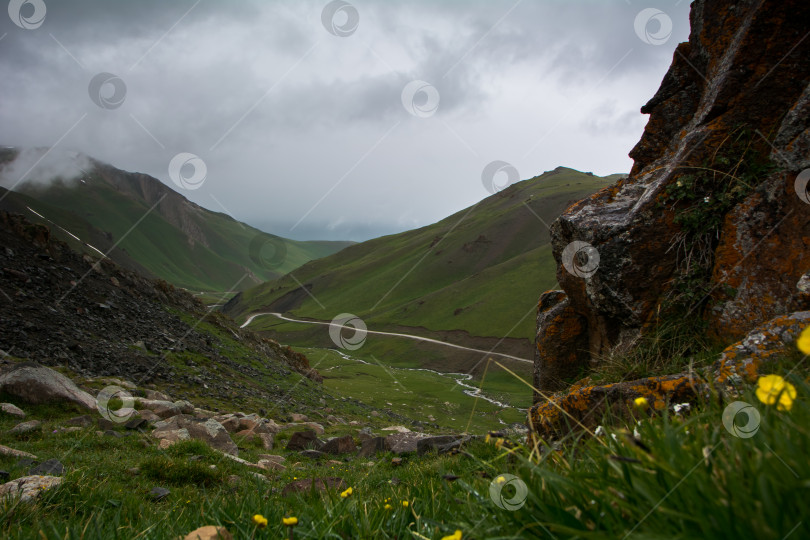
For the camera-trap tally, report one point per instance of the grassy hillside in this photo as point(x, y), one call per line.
point(478, 270)
point(179, 241)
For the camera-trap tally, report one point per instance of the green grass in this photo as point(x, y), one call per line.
point(691, 479)
point(478, 270)
point(421, 394)
point(209, 252)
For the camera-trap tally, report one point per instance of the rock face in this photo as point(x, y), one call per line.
point(709, 223)
point(33, 383)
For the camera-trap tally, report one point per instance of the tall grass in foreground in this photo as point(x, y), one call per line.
point(689, 477)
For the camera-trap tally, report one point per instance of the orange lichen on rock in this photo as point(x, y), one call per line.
point(585, 406)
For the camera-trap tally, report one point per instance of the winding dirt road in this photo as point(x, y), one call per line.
point(395, 334)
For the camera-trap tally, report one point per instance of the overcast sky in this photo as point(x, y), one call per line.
point(312, 119)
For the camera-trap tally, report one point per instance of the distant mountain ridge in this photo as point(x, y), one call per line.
point(177, 240)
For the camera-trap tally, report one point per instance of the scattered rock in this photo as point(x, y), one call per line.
point(296, 417)
point(398, 429)
point(340, 445)
point(372, 446)
point(304, 440)
point(404, 442)
point(396, 462)
point(28, 488)
point(163, 409)
point(156, 395)
point(159, 493)
point(26, 427)
point(272, 465)
point(148, 415)
point(209, 532)
point(35, 384)
point(12, 409)
point(84, 421)
point(271, 457)
point(317, 484)
point(136, 423)
point(423, 446)
point(183, 427)
point(134, 471)
point(267, 440)
point(365, 434)
point(105, 424)
point(49, 467)
point(312, 454)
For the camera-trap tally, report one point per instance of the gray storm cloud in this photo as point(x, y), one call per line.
point(304, 133)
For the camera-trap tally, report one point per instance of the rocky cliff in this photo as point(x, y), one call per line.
point(713, 223)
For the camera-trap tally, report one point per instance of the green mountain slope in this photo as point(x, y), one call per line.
point(478, 270)
point(177, 240)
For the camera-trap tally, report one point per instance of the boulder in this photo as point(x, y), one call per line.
point(229, 421)
point(312, 454)
point(163, 409)
point(437, 443)
point(12, 410)
point(6, 451)
point(373, 445)
point(156, 395)
point(270, 465)
point(185, 407)
point(401, 443)
point(26, 427)
point(213, 433)
point(28, 488)
point(304, 440)
point(148, 415)
point(340, 445)
point(297, 417)
point(34, 384)
point(267, 439)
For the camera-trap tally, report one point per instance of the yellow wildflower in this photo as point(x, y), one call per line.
point(388, 507)
point(487, 438)
point(455, 536)
point(804, 341)
point(405, 504)
point(641, 403)
point(771, 388)
point(499, 443)
point(500, 480)
point(260, 521)
point(347, 493)
point(291, 521)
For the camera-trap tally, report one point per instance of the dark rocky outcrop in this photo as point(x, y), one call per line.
point(708, 226)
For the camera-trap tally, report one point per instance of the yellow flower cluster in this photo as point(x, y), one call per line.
point(346, 494)
point(773, 389)
point(260, 521)
point(455, 536)
point(291, 521)
point(803, 343)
